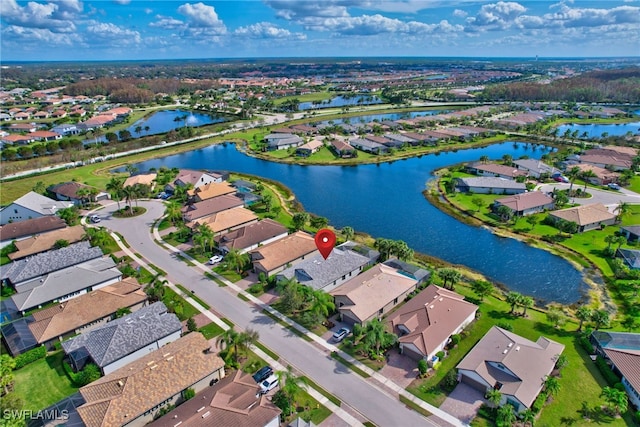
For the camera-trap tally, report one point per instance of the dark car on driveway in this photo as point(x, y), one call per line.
point(262, 374)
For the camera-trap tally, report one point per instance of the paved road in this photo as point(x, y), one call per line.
point(376, 405)
point(609, 198)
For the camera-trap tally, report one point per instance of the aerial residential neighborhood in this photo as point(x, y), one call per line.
point(296, 214)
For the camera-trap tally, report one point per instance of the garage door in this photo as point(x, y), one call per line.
point(473, 383)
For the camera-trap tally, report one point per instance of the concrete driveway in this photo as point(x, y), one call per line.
point(372, 402)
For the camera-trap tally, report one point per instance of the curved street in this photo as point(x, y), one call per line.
point(365, 397)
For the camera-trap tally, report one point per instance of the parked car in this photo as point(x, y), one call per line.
point(214, 259)
point(341, 334)
point(561, 178)
point(94, 219)
point(262, 374)
point(269, 384)
point(614, 186)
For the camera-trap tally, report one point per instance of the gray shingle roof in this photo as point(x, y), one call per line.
point(48, 262)
point(63, 282)
point(492, 182)
point(125, 335)
point(318, 273)
point(41, 204)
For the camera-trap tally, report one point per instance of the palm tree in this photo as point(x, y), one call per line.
point(290, 385)
point(129, 194)
point(583, 313)
point(552, 386)
point(83, 194)
point(236, 259)
point(528, 417)
point(494, 397)
point(616, 399)
point(348, 232)
point(572, 174)
point(207, 233)
point(482, 288)
point(513, 298)
point(526, 302)
point(600, 318)
point(586, 175)
point(504, 212)
point(449, 276)
point(384, 246)
point(173, 212)
point(114, 187)
point(484, 159)
point(377, 337)
point(622, 210)
point(506, 416)
point(321, 305)
point(246, 339)
point(229, 339)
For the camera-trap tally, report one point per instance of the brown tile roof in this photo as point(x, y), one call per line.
point(283, 251)
point(628, 363)
point(629, 151)
point(604, 159)
point(188, 176)
point(232, 402)
point(530, 362)
point(524, 201)
point(503, 170)
point(68, 189)
point(127, 393)
point(341, 145)
point(46, 241)
point(225, 220)
point(66, 317)
point(213, 189)
point(144, 178)
point(585, 214)
point(252, 234)
point(601, 173)
point(373, 289)
point(211, 206)
point(30, 227)
point(432, 317)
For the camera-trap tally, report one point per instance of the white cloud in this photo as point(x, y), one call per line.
point(51, 16)
point(376, 24)
point(37, 37)
point(108, 32)
point(496, 16)
point(148, 11)
point(122, 2)
point(168, 23)
point(267, 30)
point(459, 13)
point(200, 15)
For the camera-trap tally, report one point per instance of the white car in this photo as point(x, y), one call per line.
point(214, 259)
point(94, 219)
point(341, 334)
point(269, 384)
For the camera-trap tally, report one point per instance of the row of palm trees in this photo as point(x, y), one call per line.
point(129, 194)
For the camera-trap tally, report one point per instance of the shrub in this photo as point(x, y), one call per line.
point(30, 356)
point(455, 339)
point(505, 325)
point(610, 377)
point(189, 394)
point(256, 289)
point(586, 344)
point(89, 374)
point(281, 401)
point(539, 402)
point(440, 355)
point(450, 380)
point(422, 366)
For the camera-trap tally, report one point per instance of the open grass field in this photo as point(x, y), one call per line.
point(43, 383)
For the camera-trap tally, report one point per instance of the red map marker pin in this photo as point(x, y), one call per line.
point(325, 241)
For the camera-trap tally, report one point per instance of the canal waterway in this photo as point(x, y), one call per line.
point(385, 200)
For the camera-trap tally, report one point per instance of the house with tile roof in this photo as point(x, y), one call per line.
point(341, 265)
point(31, 205)
point(526, 203)
point(251, 236)
point(305, 150)
point(134, 394)
point(622, 352)
point(282, 141)
point(194, 178)
point(276, 256)
point(234, 401)
point(211, 190)
point(64, 284)
point(142, 178)
point(123, 340)
point(588, 217)
point(426, 323)
point(29, 228)
point(46, 241)
point(489, 185)
point(68, 191)
point(371, 294)
point(602, 176)
point(513, 365)
point(211, 206)
point(495, 170)
point(342, 148)
point(36, 266)
point(535, 168)
point(226, 221)
point(368, 146)
point(61, 321)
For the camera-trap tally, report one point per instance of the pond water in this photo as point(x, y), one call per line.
point(597, 130)
point(341, 101)
point(385, 200)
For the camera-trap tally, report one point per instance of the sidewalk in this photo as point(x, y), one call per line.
point(383, 381)
point(345, 416)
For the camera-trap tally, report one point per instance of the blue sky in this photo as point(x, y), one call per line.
point(151, 29)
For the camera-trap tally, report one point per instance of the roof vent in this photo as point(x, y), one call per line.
point(431, 306)
point(510, 345)
point(441, 299)
point(120, 384)
point(206, 414)
point(505, 351)
point(518, 348)
point(201, 409)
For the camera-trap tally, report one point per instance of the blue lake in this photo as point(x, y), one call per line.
point(597, 130)
point(341, 101)
point(166, 120)
point(385, 200)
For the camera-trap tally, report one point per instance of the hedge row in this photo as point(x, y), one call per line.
point(610, 377)
point(586, 344)
point(30, 356)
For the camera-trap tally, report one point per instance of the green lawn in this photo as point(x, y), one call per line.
point(211, 330)
point(178, 305)
point(581, 381)
point(43, 383)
